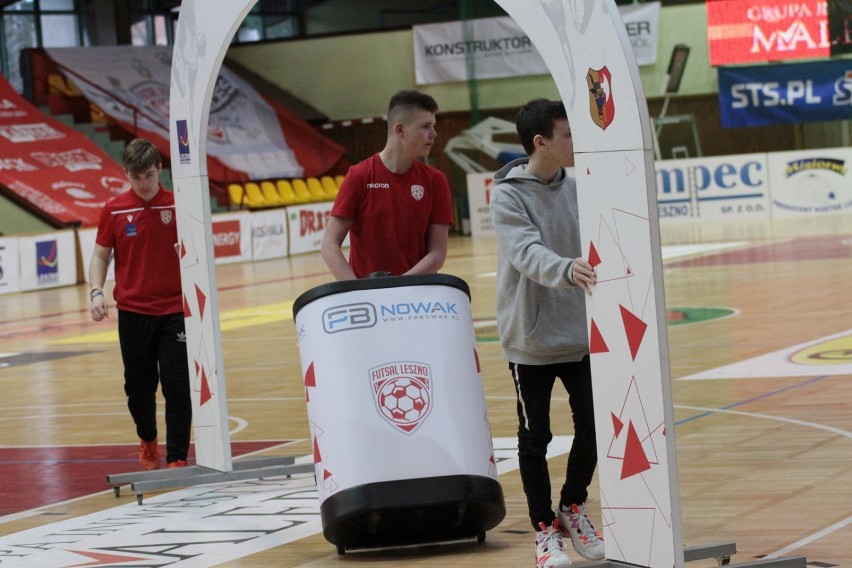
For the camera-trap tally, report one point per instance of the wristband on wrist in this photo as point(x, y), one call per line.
point(95, 293)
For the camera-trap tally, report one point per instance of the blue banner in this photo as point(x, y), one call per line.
point(785, 94)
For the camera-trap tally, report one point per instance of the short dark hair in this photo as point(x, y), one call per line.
point(139, 155)
point(538, 116)
point(404, 102)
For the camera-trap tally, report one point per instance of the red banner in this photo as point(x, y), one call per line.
point(51, 166)
point(746, 31)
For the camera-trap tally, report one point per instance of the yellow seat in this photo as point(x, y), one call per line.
point(270, 193)
point(285, 190)
point(338, 180)
point(329, 186)
point(254, 196)
point(236, 195)
point(301, 189)
point(315, 187)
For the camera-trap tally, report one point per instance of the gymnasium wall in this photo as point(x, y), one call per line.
point(352, 76)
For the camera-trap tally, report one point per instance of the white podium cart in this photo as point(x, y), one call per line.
point(401, 438)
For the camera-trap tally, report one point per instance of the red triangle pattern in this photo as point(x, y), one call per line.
point(197, 368)
point(310, 380)
point(635, 460)
point(596, 340)
point(187, 313)
point(617, 424)
point(635, 330)
point(102, 559)
point(326, 474)
point(202, 300)
point(182, 249)
point(594, 257)
point(310, 376)
point(476, 356)
point(206, 395)
point(317, 456)
point(588, 171)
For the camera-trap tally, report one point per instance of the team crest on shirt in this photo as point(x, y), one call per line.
point(417, 192)
point(166, 216)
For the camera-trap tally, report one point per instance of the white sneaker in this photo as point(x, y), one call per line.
point(586, 540)
point(549, 548)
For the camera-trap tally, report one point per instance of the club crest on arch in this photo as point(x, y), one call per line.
point(166, 216)
point(601, 104)
point(402, 391)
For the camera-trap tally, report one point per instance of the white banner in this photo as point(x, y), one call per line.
point(306, 224)
point(642, 22)
point(244, 131)
point(48, 260)
point(809, 182)
point(232, 237)
point(479, 188)
point(10, 278)
point(498, 47)
point(268, 234)
point(715, 188)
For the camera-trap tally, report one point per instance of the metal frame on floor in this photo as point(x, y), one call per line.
point(255, 468)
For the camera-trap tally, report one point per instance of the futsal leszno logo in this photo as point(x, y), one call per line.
point(403, 393)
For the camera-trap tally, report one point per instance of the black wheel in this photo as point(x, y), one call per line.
point(341, 550)
point(116, 491)
point(138, 498)
point(480, 538)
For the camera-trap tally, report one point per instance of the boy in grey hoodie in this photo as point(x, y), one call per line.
point(541, 316)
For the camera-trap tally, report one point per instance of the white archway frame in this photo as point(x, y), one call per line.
point(585, 47)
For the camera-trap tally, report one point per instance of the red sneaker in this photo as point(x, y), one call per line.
point(149, 455)
point(176, 463)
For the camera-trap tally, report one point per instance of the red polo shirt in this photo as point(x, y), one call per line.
point(143, 236)
point(391, 214)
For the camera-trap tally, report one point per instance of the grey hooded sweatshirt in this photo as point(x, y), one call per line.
point(541, 313)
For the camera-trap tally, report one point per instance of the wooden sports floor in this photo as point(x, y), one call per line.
point(764, 447)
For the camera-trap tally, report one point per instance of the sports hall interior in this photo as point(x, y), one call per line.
point(759, 326)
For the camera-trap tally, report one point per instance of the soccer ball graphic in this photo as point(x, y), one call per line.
point(404, 401)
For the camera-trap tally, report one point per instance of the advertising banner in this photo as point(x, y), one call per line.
point(232, 237)
point(808, 182)
point(10, 279)
point(786, 94)
point(246, 133)
point(306, 224)
point(746, 31)
point(53, 166)
point(48, 260)
point(479, 187)
point(268, 234)
point(717, 188)
point(498, 47)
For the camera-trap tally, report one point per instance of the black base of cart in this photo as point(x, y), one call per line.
point(413, 511)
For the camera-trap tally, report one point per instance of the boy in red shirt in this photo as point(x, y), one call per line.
point(140, 228)
point(396, 209)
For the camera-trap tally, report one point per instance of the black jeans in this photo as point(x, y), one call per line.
point(153, 349)
point(533, 388)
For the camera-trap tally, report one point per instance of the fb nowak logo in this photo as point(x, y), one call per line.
point(349, 316)
point(183, 142)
